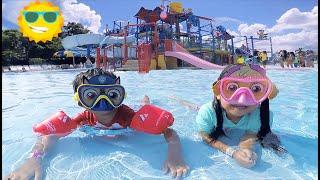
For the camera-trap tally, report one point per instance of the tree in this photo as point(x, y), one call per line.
point(14, 47)
point(17, 49)
point(73, 28)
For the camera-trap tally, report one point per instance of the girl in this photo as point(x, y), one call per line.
point(101, 94)
point(283, 57)
point(296, 61)
point(290, 59)
point(239, 112)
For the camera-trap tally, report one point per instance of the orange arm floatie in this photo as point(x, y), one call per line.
point(151, 119)
point(58, 124)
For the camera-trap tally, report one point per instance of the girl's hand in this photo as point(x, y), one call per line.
point(245, 157)
point(176, 166)
point(31, 167)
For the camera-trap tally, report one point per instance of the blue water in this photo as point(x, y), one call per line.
point(30, 97)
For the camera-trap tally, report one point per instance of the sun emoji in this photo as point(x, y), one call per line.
point(40, 21)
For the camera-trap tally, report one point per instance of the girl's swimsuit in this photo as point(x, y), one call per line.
point(206, 121)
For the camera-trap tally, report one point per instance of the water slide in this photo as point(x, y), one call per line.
point(71, 42)
point(181, 53)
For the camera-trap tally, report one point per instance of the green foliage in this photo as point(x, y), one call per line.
point(17, 49)
point(36, 61)
point(73, 28)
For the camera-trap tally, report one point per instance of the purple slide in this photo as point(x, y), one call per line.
point(181, 53)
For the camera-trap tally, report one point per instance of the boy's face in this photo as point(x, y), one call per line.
point(101, 94)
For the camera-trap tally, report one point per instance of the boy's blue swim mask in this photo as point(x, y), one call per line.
point(100, 93)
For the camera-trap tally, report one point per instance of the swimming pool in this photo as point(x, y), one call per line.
point(31, 97)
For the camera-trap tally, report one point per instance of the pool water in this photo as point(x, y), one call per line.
point(30, 97)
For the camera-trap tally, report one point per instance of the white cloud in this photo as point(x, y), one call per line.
point(78, 12)
point(10, 10)
point(295, 19)
point(72, 12)
point(238, 40)
point(305, 25)
point(293, 41)
point(250, 30)
point(221, 20)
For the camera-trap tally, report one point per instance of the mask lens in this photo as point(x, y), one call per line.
point(50, 17)
point(31, 17)
point(259, 88)
point(90, 94)
point(116, 95)
point(229, 87)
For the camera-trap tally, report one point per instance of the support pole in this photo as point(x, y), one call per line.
point(98, 58)
point(252, 44)
point(271, 46)
point(232, 46)
point(247, 44)
point(104, 58)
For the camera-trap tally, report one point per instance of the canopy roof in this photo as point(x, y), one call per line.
point(154, 15)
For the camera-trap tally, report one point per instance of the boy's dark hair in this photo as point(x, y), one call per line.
point(89, 74)
point(264, 117)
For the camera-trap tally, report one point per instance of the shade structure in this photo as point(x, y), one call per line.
point(68, 54)
point(59, 54)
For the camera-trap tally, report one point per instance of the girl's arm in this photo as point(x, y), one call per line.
point(32, 165)
point(248, 140)
point(243, 156)
point(214, 143)
point(174, 162)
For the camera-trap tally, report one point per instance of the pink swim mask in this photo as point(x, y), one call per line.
point(245, 91)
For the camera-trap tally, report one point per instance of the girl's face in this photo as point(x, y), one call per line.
point(235, 112)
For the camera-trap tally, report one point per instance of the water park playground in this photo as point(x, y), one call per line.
point(156, 41)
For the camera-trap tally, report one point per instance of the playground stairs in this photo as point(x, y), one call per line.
point(131, 65)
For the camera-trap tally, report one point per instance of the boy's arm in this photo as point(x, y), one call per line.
point(174, 162)
point(32, 165)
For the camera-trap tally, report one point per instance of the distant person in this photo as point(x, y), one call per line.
point(309, 58)
point(312, 58)
point(302, 58)
point(290, 59)
point(88, 63)
point(283, 57)
point(296, 61)
point(255, 58)
point(263, 57)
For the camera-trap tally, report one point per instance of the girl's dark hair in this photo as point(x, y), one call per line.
point(264, 118)
point(218, 129)
point(89, 74)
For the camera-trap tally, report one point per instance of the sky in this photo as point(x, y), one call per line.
point(291, 23)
